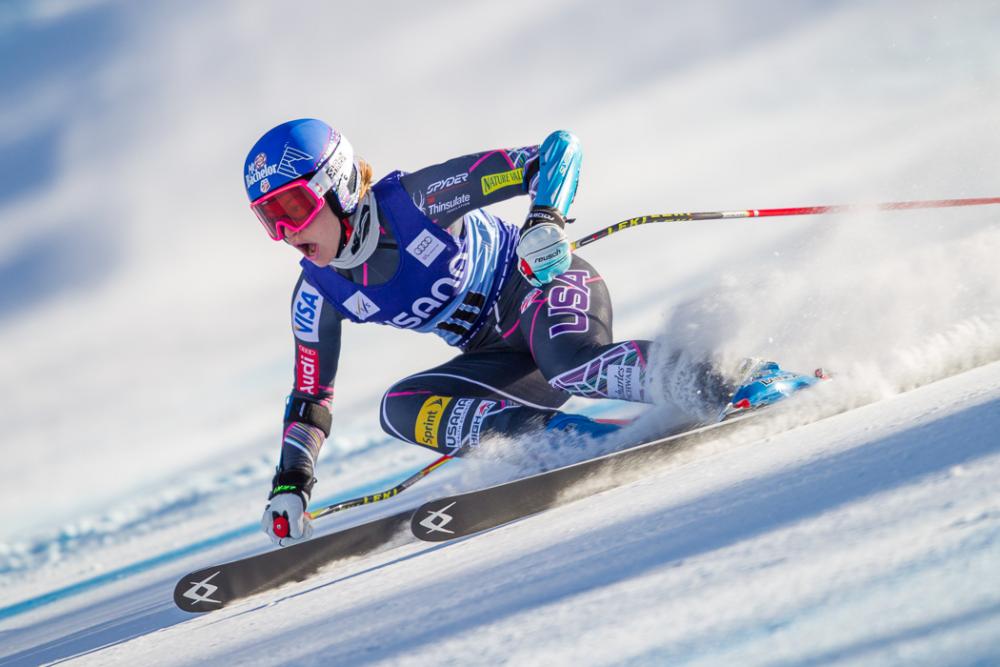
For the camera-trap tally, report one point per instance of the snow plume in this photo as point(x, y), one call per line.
point(885, 304)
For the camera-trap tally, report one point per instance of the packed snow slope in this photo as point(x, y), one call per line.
point(146, 345)
point(871, 536)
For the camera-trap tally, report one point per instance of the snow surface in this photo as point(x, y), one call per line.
point(146, 353)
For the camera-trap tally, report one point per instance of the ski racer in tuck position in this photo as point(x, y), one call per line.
point(418, 251)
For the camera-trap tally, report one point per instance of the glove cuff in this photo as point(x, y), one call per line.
point(540, 214)
point(293, 481)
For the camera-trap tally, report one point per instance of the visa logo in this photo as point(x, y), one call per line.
point(306, 309)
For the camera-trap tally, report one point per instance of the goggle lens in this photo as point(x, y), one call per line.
point(288, 209)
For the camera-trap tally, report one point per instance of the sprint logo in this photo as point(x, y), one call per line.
point(428, 419)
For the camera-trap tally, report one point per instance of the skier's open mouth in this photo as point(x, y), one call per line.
point(307, 249)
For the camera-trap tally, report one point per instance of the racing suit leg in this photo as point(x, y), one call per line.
point(566, 327)
point(487, 391)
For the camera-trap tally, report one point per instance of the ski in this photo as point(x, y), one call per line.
point(214, 587)
point(463, 514)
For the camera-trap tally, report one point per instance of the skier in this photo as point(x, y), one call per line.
point(418, 251)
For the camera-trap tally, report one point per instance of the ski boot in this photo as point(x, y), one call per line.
point(764, 383)
point(565, 422)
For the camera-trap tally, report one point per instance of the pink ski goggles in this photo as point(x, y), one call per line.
point(289, 209)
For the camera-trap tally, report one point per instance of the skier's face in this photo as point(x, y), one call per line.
point(320, 240)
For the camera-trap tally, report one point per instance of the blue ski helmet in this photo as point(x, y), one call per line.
point(300, 148)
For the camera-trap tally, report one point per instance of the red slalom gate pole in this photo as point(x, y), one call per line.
point(774, 212)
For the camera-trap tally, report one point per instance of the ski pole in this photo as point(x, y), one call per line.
point(772, 212)
point(384, 495)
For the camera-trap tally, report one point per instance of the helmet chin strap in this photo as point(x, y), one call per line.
point(364, 238)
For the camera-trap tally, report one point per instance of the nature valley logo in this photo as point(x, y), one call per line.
point(493, 182)
point(428, 419)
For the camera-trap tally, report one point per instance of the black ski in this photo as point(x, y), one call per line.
point(467, 513)
point(215, 587)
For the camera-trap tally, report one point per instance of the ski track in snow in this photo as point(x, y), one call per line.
point(859, 527)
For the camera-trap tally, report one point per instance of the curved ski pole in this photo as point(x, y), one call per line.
point(772, 212)
point(384, 495)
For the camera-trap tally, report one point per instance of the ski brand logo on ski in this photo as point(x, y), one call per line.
point(195, 593)
point(436, 521)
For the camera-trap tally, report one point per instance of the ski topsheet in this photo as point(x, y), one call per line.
point(467, 513)
point(443, 519)
point(217, 586)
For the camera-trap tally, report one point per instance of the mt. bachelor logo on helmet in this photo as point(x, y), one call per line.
point(255, 173)
point(258, 169)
